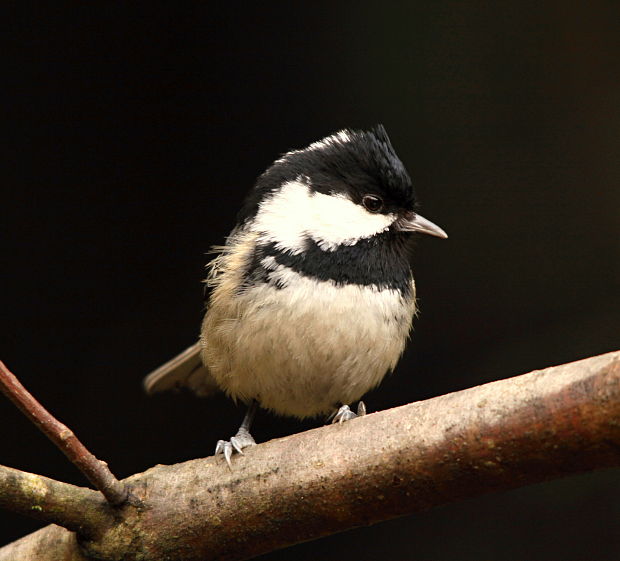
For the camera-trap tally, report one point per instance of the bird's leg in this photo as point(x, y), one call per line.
point(344, 413)
point(242, 439)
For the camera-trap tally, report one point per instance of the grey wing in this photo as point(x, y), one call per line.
point(184, 370)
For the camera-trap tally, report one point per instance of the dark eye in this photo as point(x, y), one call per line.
point(372, 203)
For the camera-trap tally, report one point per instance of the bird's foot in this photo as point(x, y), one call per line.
point(243, 439)
point(345, 414)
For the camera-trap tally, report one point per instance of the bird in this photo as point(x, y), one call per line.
point(310, 301)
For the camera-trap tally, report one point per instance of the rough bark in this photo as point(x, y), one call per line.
point(547, 424)
point(47, 544)
point(76, 508)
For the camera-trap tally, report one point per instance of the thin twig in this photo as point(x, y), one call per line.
point(95, 470)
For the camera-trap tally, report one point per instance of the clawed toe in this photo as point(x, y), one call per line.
point(241, 440)
point(345, 414)
point(237, 443)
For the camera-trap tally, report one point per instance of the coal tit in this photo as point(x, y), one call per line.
point(311, 299)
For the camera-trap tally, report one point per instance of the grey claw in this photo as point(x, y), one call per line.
point(237, 443)
point(219, 447)
point(361, 409)
point(234, 441)
point(345, 414)
point(228, 454)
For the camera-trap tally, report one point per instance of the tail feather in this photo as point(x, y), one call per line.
point(184, 370)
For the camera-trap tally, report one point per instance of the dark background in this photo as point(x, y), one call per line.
point(133, 133)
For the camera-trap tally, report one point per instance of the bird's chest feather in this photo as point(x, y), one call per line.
point(300, 345)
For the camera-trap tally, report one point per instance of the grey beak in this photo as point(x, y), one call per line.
point(415, 223)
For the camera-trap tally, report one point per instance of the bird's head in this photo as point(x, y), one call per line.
point(342, 189)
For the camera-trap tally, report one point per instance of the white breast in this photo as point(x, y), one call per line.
point(306, 347)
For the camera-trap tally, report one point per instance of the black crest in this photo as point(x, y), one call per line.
point(354, 162)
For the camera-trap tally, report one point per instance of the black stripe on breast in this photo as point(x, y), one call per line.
point(381, 261)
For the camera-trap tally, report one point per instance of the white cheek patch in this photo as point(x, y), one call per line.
point(294, 213)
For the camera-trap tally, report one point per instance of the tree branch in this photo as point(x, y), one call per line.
point(96, 471)
point(76, 508)
point(547, 424)
point(51, 543)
